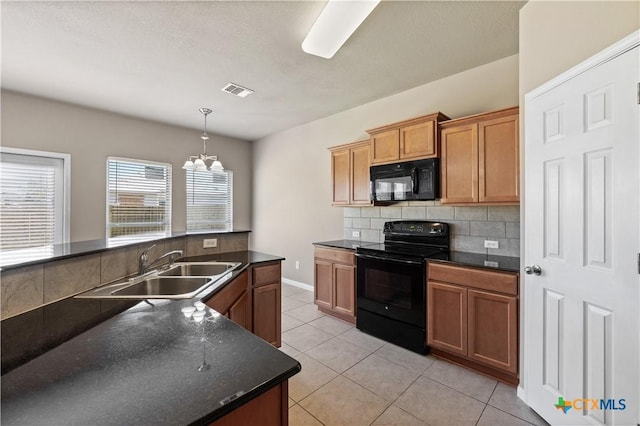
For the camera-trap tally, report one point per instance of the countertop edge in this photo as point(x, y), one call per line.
point(247, 397)
point(101, 246)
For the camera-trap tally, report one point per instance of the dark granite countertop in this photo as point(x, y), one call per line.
point(344, 244)
point(64, 251)
point(481, 260)
point(141, 367)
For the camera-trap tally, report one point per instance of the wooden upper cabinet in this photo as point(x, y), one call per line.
point(418, 141)
point(350, 174)
point(340, 170)
point(499, 160)
point(459, 164)
point(480, 159)
point(385, 147)
point(407, 140)
point(359, 187)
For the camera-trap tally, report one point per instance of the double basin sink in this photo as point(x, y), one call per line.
point(181, 280)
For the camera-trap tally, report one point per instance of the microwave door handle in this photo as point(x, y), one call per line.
point(414, 180)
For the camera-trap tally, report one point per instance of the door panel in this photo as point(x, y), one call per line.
point(459, 164)
point(344, 289)
point(499, 160)
point(324, 283)
point(447, 317)
point(493, 334)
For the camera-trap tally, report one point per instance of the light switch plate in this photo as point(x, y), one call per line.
point(491, 244)
point(210, 243)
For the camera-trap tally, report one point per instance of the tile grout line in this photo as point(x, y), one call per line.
point(392, 403)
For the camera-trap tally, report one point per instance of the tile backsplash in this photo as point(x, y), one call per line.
point(470, 226)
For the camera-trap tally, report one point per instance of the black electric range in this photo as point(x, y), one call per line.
point(391, 281)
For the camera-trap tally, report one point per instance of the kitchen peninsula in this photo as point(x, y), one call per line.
point(152, 365)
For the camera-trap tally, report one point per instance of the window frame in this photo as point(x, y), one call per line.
point(118, 241)
point(65, 233)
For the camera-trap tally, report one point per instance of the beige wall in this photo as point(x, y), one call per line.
point(556, 35)
point(292, 182)
point(91, 135)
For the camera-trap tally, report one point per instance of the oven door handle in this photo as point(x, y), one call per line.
point(394, 259)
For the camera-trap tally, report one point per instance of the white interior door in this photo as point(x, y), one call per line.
point(582, 206)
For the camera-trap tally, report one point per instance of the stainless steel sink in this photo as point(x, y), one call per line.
point(164, 287)
point(182, 280)
point(199, 269)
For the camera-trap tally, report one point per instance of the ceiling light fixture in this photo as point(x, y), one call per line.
point(338, 20)
point(198, 162)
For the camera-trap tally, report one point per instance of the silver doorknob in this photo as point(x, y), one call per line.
point(535, 269)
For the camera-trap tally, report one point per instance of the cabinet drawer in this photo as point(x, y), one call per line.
point(346, 257)
point(267, 274)
point(225, 298)
point(502, 282)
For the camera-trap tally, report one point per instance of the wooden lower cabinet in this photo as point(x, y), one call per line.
point(472, 318)
point(269, 409)
point(447, 317)
point(335, 282)
point(233, 301)
point(267, 290)
point(253, 301)
point(493, 333)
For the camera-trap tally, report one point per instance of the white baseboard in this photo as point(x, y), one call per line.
point(297, 284)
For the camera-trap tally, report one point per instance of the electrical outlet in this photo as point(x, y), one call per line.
point(491, 263)
point(355, 234)
point(491, 244)
point(297, 264)
point(210, 243)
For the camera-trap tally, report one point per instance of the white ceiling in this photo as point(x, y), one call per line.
point(164, 60)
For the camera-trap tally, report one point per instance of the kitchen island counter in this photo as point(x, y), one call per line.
point(143, 366)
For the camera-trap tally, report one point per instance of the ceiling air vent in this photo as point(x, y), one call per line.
point(237, 90)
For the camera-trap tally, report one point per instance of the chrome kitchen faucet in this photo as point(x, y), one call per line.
point(143, 262)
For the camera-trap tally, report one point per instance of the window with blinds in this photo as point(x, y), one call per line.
point(138, 200)
point(209, 201)
point(32, 205)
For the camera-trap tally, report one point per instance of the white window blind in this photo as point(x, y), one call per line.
point(209, 201)
point(138, 200)
point(32, 205)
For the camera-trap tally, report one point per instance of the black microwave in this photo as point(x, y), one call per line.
point(411, 180)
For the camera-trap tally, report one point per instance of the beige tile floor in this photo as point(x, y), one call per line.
point(351, 378)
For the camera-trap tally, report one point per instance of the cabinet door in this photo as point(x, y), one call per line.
point(498, 160)
point(493, 330)
point(323, 283)
point(341, 179)
point(418, 141)
point(344, 289)
point(385, 147)
point(459, 164)
point(360, 175)
point(447, 317)
point(266, 313)
point(239, 312)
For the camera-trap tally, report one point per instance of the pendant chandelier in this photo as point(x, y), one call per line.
point(198, 162)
